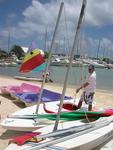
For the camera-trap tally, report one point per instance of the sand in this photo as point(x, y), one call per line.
point(103, 99)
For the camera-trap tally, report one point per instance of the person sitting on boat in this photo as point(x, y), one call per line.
point(47, 78)
point(89, 87)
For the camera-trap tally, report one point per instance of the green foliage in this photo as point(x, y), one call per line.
point(46, 54)
point(3, 54)
point(107, 60)
point(18, 51)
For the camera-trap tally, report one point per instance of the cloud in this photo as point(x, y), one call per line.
point(37, 16)
point(99, 13)
point(41, 16)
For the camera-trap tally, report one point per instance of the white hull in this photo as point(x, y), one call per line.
point(83, 140)
point(45, 130)
point(66, 64)
point(28, 78)
point(88, 141)
point(30, 124)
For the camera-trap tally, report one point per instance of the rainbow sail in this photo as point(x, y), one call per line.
point(32, 60)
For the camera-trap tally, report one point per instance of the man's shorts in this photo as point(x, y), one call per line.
point(87, 97)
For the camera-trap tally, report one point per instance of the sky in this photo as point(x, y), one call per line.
point(25, 21)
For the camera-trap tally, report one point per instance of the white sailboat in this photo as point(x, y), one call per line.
point(71, 135)
point(20, 120)
point(28, 78)
point(15, 123)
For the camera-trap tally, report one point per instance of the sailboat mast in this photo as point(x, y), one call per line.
point(71, 59)
point(45, 40)
point(50, 52)
point(8, 42)
point(99, 45)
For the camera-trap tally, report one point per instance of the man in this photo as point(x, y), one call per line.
point(89, 88)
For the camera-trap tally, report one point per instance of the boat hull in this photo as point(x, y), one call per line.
point(87, 139)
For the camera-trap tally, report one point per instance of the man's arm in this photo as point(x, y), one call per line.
point(82, 86)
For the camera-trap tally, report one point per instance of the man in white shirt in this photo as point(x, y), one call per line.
point(89, 88)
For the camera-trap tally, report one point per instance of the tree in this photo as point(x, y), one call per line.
point(3, 54)
point(46, 54)
point(18, 51)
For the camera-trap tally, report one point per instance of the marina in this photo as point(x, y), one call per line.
point(57, 92)
point(104, 76)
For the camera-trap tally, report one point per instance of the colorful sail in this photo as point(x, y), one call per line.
point(32, 60)
point(39, 68)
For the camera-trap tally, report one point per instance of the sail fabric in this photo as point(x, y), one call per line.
point(39, 68)
point(70, 116)
point(76, 115)
point(32, 60)
point(47, 96)
point(22, 139)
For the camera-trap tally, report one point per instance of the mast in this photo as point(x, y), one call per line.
point(45, 40)
point(8, 42)
point(50, 52)
point(99, 45)
point(71, 59)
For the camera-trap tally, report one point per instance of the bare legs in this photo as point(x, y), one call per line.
point(90, 108)
point(80, 105)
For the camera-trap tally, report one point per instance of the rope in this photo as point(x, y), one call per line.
point(86, 116)
point(74, 99)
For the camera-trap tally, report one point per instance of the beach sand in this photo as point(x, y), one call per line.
point(103, 99)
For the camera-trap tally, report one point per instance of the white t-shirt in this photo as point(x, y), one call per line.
point(91, 79)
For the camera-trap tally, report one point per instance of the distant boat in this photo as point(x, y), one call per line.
point(65, 62)
point(28, 78)
point(93, 62)
point(8, 64)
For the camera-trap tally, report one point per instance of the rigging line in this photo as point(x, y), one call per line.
point(68, 42)
point(86, 115)
point(71, 59)
point(81, 52)
point(66, 28)
point(79, 65)
point(80, 70)
point(50, 53)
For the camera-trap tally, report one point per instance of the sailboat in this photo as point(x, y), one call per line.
point(77, 135)
point(28, 78)
point(70, 135)
point(27, 124)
